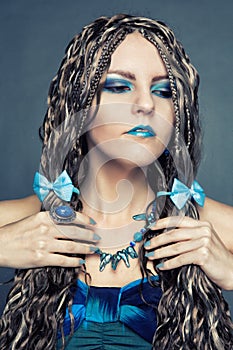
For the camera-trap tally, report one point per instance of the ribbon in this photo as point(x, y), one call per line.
point(180, 193)
point(62, 186)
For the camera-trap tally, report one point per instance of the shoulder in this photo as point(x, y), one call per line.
point(220, 216)
point(17, 209)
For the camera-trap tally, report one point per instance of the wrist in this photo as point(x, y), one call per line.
point(3, 248)
point(228, 285)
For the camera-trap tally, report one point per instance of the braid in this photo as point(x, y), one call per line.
point(192, 313)
point(193, 316)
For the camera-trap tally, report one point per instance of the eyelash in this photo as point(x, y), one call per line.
point(164, 91)
point(120, 87)
point(117, 86)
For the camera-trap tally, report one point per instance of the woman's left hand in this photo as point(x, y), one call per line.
point(189, 241)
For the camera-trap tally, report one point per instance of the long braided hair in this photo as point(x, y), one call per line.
point(192, 313)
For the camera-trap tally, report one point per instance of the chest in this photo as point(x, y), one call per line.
point(125, 272)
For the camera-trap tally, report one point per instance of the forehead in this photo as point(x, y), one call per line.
point(137, 53)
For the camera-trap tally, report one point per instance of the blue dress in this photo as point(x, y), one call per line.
point(113, 317)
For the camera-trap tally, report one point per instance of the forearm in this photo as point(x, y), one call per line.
point(221, 218)
point(18, 209)
point(6, 254)
point(229, 279)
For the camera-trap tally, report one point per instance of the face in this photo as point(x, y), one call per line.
point(135, 116)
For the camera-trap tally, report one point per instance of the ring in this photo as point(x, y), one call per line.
point(63, 214)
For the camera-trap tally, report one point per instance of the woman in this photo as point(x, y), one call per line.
point(122, 133)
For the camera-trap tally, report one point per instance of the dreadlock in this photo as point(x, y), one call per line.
point(192, 313)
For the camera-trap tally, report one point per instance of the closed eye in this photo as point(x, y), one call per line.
point(117, 86)
point(162, 89)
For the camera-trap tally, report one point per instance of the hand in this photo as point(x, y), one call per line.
point(189, 241)
point(36, 241)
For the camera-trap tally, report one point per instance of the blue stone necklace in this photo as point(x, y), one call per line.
point(129, 252)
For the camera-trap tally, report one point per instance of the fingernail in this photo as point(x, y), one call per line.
point(92, 221)
point(160, 265)
point(82, 262)
point(94, 249)
point(149, 254)
point(147, 244)
point(139, 217)
point(96, 237)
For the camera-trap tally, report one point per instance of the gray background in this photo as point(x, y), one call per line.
point(33, 36)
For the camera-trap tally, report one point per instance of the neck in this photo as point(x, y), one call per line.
point(115, 191)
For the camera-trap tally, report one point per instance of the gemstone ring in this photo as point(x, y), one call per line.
point(63, 214)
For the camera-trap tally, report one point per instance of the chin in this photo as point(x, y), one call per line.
point(131, 153)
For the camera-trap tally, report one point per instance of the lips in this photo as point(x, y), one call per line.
point(142, 131)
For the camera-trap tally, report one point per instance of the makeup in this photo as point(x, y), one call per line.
point(142, 131)
point(162, 89)
point(117, 85)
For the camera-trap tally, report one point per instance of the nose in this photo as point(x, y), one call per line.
point(143, 104)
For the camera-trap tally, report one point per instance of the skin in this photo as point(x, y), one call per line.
point(35, 238)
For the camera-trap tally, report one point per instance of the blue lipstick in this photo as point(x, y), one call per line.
point(142, 131)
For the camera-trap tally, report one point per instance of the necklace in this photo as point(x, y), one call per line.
point(129, 252)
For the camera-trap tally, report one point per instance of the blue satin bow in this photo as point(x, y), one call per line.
point(180, 193)
point(62, 186)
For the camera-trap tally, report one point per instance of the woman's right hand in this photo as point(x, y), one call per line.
point(37, 241)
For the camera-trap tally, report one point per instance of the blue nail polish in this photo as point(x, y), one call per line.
point(94, 249)
point(160, 265)
point(92, 221)
point(150, 254)
point(96, 237)
point(139, 217)
point(82, 262)
point(147, 244)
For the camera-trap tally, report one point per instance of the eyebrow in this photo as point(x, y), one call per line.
point(131, 76)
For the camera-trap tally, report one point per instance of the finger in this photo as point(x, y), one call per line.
point(193, 257)
point(84, 219)
point(174, 249)
point(178, 221)
point(57, 260)
point(202, 257)
point(172, 236)
point(71, 247)
point(80, 228)
point(80, 219)
point(45, 245)
point(76, 233)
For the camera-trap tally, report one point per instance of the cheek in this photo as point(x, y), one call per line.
point(164, 132)
point(165, 109)
point(109, 121)
point(164, 124)
point(101, 134)
point(112, 113)
point(100, 129)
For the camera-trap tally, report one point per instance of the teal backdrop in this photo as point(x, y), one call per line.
point(33, 36)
